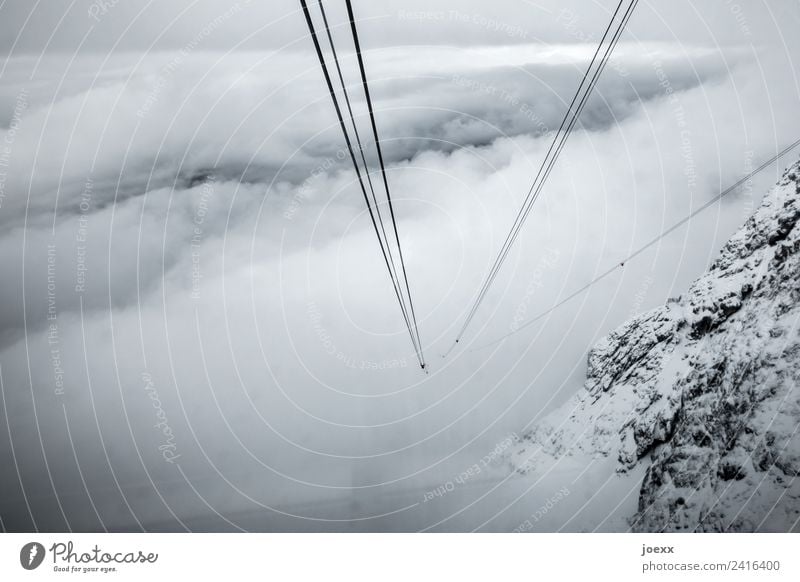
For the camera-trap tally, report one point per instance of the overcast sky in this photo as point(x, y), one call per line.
point(184, 247)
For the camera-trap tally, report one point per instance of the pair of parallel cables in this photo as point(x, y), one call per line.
point(388, 250)
point(609, 40)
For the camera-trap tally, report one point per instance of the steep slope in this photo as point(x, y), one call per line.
point(703, 390)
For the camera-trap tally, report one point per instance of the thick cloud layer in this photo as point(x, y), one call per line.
point(197, 327)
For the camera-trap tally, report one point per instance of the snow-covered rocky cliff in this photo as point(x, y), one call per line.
point(704, 391)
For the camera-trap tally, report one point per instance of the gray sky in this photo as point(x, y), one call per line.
point(204, 245)
point(140, 25)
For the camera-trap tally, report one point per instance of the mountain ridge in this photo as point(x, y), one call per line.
point(703, 390)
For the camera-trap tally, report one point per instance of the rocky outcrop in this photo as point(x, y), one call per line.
point(705, 390)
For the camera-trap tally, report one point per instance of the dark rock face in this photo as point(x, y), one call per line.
point(706, 389)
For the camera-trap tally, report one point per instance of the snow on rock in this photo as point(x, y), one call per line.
point(703, 391)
